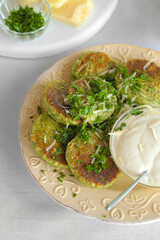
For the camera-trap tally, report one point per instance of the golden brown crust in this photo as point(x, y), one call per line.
point(89, 64)
point(140, 84)
point(53, 101)
point(79, 83)
point(55, 98)
point(98, 59)
point(143, 66)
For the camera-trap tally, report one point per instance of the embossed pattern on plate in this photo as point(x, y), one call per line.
point(141, 205)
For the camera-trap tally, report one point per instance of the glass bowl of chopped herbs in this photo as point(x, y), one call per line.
point(25, 20)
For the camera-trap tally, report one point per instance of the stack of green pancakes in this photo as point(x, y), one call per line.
point(73, 131)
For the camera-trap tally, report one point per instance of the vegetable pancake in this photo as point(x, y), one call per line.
point(53, 101)
point(49, 139)
point(91, 99)
point(92, 163)
point(90, 63)
point(139, 81)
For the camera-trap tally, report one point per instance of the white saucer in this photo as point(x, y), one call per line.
point(59, 36)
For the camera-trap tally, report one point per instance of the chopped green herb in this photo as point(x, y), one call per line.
point(130, 103)
point(98, 95)
point(78, 89)
point(65, 135)
point(100, 159)
point(24, 19)
point(133, 81)
point(98, 119)
point(43, 171)
point(54, 157)
point(59, 150)
point(31, 116)
point(54, 170)
point(39, 109)
point(136, 112)
point(79, 161)
point(71, 175)
point(74, 195)
point(61, 177)
point(105, 216)
point(121, 126)
point(83, 133)
point(88, 151)
point(149, 89)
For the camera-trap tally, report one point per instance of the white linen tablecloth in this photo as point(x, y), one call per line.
point(26, 212)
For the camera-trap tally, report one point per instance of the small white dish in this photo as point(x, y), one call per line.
point(130, 151)
point(59, 36)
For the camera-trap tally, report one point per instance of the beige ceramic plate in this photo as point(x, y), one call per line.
point(141, 205)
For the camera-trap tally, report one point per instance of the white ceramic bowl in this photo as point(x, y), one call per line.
point(117, 124)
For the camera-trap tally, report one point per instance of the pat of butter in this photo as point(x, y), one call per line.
point(56, 3)
point(73, 12)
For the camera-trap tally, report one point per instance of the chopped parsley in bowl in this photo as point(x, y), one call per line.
point(24, 22)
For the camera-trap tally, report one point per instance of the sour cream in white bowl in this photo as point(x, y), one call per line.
point(135, 144)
